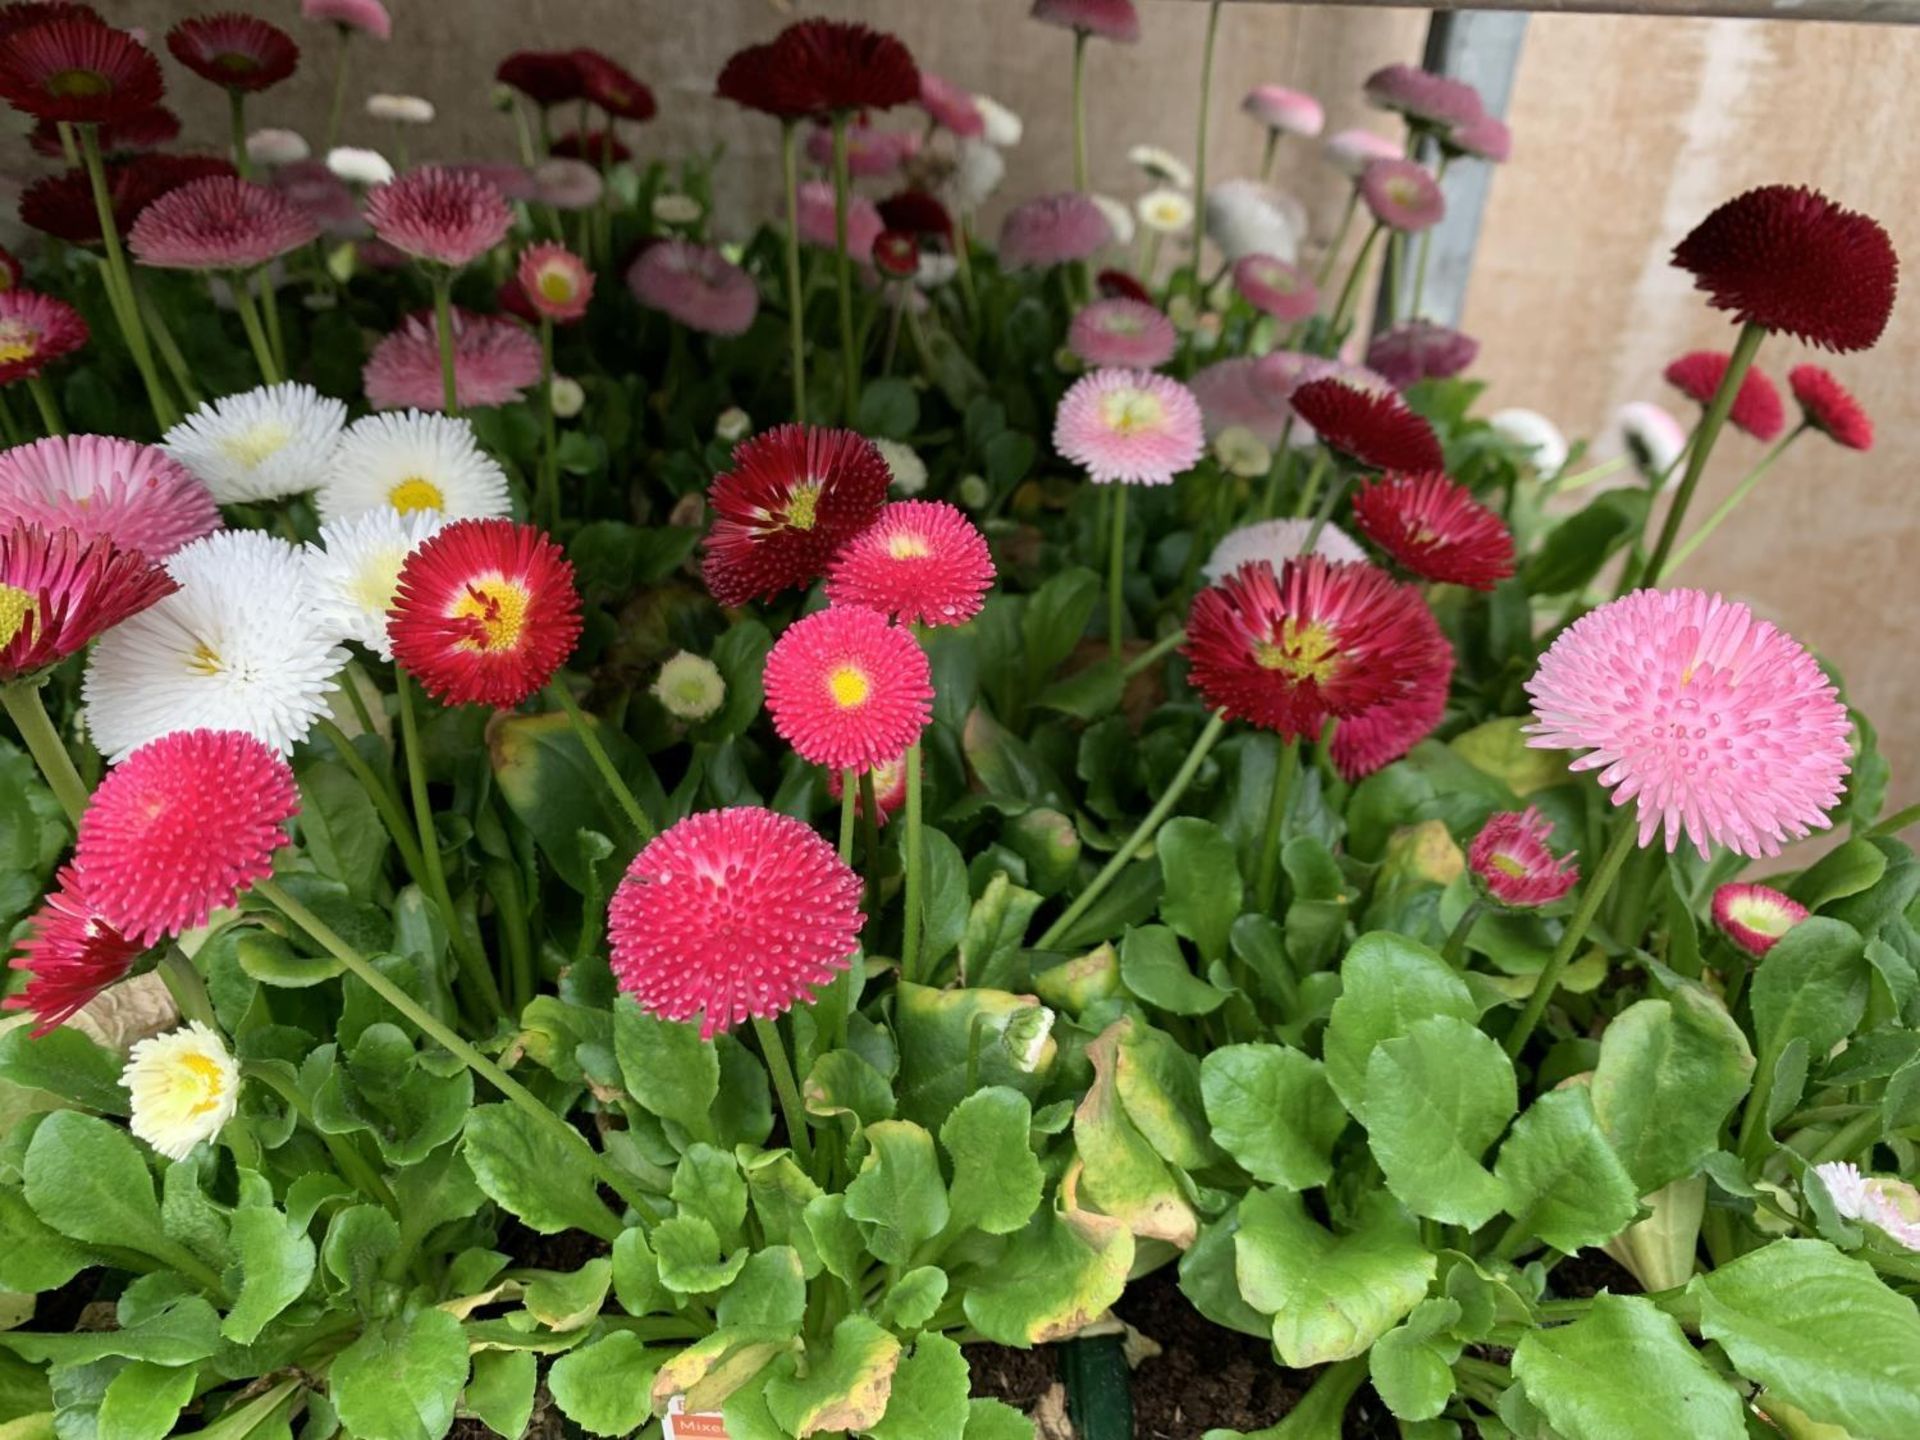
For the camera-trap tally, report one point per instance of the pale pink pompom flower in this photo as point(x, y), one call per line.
point(1402, 195)
point(1293, 112)
point(451, 217)
point(1114, 20)
point(219, 223)
point(1129, 426)
point(1283, 290)
point(696, 285)
point(1351, 151)
point(567, 184)
point(1052, 230)
point(816, 220)
point(493, 362)
point(1123, 332)
point(367, 16)
point(951, 107)
point(870, 152)
point(136, 495)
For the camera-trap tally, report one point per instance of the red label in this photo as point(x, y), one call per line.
point(704, 1425)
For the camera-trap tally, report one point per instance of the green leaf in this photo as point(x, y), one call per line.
point(358, 1242)
point(33, 1255)
point(741, 654)
point(1562, 1178)
point(1821, 1331)
point(690, 1258)
point(1055, 1277)
point(769, 1293)
point(1412, 1364)
point(1273, 1111)
point(85, 1178)
point(1849, 868)
point(553, 787)
point(707, 1183)
point(991, 939)
point(845, 1389)
point(500, 1393)
point(342, 831)
point(928, 1400)
point(183, 1334)
point(935, 1029)
point(1388, 984)
point(835, 1236)
point(1330, 1296)
point(1624, 1371)
point(1125, 1175)
point(66, 1063)
point(1669, 1073)
point(1056, 617)
point(996, 1420)
point(1202, 874)
point(888, 409)
point(1153, 968)
point(272, 960)
point(1579, 545)
point(1436, 1098)
point(276, 1262)
point(400, 1379)
point(1813, 985)
point(1159, 1086)
point(1088, 693)
point(568, 1300)
point(914, 1298)
point(898, 1193)
point(606, 1387)
point(144, 1400)
point(997, 1180)
point(946, 898)
point(667, 1067)
point(636, 1274)
point(531, 1172)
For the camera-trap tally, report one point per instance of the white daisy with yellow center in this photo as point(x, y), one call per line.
point(263, 444)
point(415, 463)
point(355, 569)
point(1165, 211)
point(184, 1086)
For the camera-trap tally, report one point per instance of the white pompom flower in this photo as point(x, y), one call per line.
point(262, 444)
point(690, 687)
point(1277, 542)
point(1119, 217)
point(1165, 211)
point(1533, 432)
point(1163, 167)
point(1245, 217)
point(1003, 127)
point(184, 1086)
point(410, 460)
point(359, 167)
point(355, 569)
point(277, 147)
point(401, 109)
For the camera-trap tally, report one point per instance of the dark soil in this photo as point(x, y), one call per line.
point(1586, 1274)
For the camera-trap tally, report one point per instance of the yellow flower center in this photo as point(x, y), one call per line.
point(17, 612)
point(1507, 865)
point(1128, 411)
point(1403, 191)
point(203, 1083)
point(803, 506)
point(1304, 651)
point(908, 546)
point(235, 62)
point(1166, 212)
point(257, 443)
point(72, 84)
point(495, 610)
point(556, 285)
point(205, 660)
point(849, 686)
point(416, 493)
point(1761, 917)
point(17, 342)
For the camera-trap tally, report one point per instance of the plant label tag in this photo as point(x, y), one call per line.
point(681, 1424)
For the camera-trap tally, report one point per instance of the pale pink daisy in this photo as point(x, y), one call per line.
point(864, 224)
point(493, 362)
point(696, 285)
point(1351, 151)
point(556, 282)
point(1486, 138)
point(1130, 426)
point(1424, 98)
point(137, 496)
point(1283, 291)
point(871, 153)
point(367, 16)
point(1053, 230)
point(567, 184)
point(1243, 392)
point(1402, 195)
point(219, 223)
point(1291, 111)
point(1114, 20)
point(1122, 332)
point(446, 216)
point(1718, 724)
point(951, 107)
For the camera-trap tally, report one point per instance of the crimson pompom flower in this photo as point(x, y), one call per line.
point(1756, 408)
point(1416, 350)
point(848, 689)
point(1433, 527)
point(219, 223)
point(369, 17)
point(1288, 651)
point(755, 77)
point(1375, 430)
point(1512, 860)
point(1115, 20)
point(1381, 734)
point(1755, 917)
point(896, 254)
point(889, 787)
point(35, 331)
point(80, 71)
point(484, 612)
point(1119, 285)
point(180, 827)
point(450, 217)
point(1124, 333)
point(614, 88)
point(135, 495)
point(59, 589)
point(950, 106)
point(556, 282)
point(70, 958)
point(1283, 291)
point(794, 496)
point(240, 52)
point(62, 205)
point(546, 77)
point(1402, 195)
point(1422, 97)
point(494, 361)
point(595, 147)
point(1788, 258)
point(922, 562)
point(1715, 723)
point(733, 914)
point(696, 285)
point(1053, 230)
point(917, 213)
point(1825, 404)
point(148, 130)
point(25, 14)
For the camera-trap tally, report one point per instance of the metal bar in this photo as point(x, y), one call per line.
point(1864, 12)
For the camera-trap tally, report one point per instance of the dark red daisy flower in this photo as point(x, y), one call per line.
point(1375, 430)
point(35, 330)
point(821, 68)
point(593, 146)
point(78, 70)
point(546, 77)
point(148, 130)
point(1384, 733)
point(1788, 258)
point(896, 253)
point(754, 77)
point(1434, 528)
point(1756, 409)
point(917, 213)
point(1318, 641)
point(795, 494)
point(25, 14)
point(239, 52)
point(613, 87)
point(71, 956)
point(59, 589)
point(1118, 285)
point(1830, 407)
point(62, 205)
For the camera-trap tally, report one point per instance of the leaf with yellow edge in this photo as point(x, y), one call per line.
point(1125, 1175)
point(847, 1388)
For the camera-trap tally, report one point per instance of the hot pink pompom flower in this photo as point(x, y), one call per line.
point(367, 16)
point(1757, 408)
point(950, 106)
point(1293, 112)
point(730, 915)
point(1122, 332)
point(1351, 151)
point(180, 827)
point(922, 562)
point(1424, 98)
point(219, 223)
point(493, 362)
point(1053, 230)
point(556, 282)
point(1130, 426)
point(1283, 291)
point(696, 285)
point(58, 591)
point(1755, 917)
point(1114, 20)
point(70, 958)
point(1512, 860)
point(816, 219)
point(135, 495)
point(35, 331)
point(871, 152)
point(449, 217)
point(849, 689)
point(1825, 404)
point(1717, 724)
point(1416, 350)
point(1402, 195)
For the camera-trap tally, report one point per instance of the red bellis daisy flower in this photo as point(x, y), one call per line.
point(35, 331)
point(1433, 527)
point(896, 254)
point(1381, 734)
point(148, 130)
point(847, 66)
point(546, 77)
point(917, 213)
point(70, 958)
point(1114, 20)
point(794, 496)
point(180, 827)
point(1287, 652)
point(219, 223)
point(79, 71)
point(58, 590)
point(613, 87)
point(1789, 259)
point(1755, 917)
point(25, 14)
point(889, 787)
point(1416, 350)
point(922, 562)
point(239, 52)
point(484, 613)
point(1512, 860)
point(1375, 430)
point(1118, 285)
point(450, 217)
point(730, 915)
point(848, 689)
point(1825, 404)
point(1756, 408)
point(62, 205)
point(556, 282)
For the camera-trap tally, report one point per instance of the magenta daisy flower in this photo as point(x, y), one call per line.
point(135, 495)
point(1755, 917)
point(555, 281)
point(951, 107)
point(1424, 98)
point(1052, 231)
point(730, 915)
point(180, 827)
point(1292, 112)
point(816, 219)
point(70, 958)
point(922, 562)
point(1513, 862)
point(1825, 404)
point(1283, 291)
point(696, 285)
point(493, 362)
point(848, 689)
point(1130, 426)
point(1717, 724)
point(35, 331)
point(1402, 195)
point(1114, 20)
point(1122, 332)
point(449, 217)
point(219, 223)
point(1757, 408)
point(58, 591)
point(1416, 350)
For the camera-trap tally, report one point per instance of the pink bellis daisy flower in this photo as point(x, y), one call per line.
point(494, 361)
point(1291, 112)
point(447, 217)
point(135, 495)
point(1402, 195)
point(1130, 426)
point(556, 282)
point(817, 224)
point(35, 331)
point(1276, 287)
point(696, 285)
point(1422, 98)
point(219, 223)
point(1122, 332)
point(848, 689)
point(1416, 350)
point(1512, 861)
point(1755, 917)
point(1053, 230)
point(1114, 20)
point(369, 17)
point(921, 561)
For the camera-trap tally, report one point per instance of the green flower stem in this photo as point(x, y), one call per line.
point(796, 298)
point(596, 752)
point(178, 370)
point(1286, 772)
point(270, 312)
point(425, 1021)
point(237, 130)
point(1116, 574)
point(43, 401)
point(1153, 655)
point(351, 1164)
point(1350, 291)
point(338, 104)
point(1740, 492)
point(1457, 937)
point(963, 253)
point(849, 804)
point(870, 836)
point(29, 715)
point(1395, 266)
point(1163, 807)
point(120, 291)
point(1200, 143)
point(1303, 502)
point(1080, 111)
point(510, 907)
point(443, 331)
point(842, 193)
point(250, 322)
point(1861, 1130)
point(188, 990)
point(1587, 477)
point(385, 799)
point(1744, 349)
point(1267, 154)
point(549, 485)
point(1426, 246)
point(10, 431)
point(1598, 884)
point(1324, 514)
point(774, 1051)
point(916, 870)
point(473, 961)
point(1339, 240)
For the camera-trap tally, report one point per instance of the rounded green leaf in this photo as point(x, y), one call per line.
point(1436, 1098)
point(1625, 1371)
point(605, 1387)
point(1388, 983)
point(1273, 1111)
point(400, 1379)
